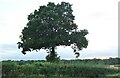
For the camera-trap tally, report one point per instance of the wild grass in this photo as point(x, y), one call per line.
point(62, 69)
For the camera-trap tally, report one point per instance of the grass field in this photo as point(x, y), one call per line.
point(62, 69)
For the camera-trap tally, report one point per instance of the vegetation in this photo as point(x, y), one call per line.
point(50, 26)
point(95, 68)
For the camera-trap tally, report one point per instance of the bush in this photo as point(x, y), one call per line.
point(64, 69)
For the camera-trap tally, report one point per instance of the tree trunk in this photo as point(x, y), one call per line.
point(52, 57)
point(52, 52)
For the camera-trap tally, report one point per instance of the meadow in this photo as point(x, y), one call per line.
point(88, 68)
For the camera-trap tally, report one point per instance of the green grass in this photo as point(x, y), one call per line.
point(58, 70)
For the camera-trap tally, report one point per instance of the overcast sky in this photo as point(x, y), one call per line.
point(99, 17)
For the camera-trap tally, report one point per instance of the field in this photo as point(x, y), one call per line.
point(95, 68)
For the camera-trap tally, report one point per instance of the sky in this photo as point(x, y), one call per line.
point(99, 17)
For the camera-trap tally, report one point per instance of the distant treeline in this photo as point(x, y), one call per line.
point(110, 61)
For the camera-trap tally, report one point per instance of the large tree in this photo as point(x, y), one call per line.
point(51, 26)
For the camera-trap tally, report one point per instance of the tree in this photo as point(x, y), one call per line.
point(51, 26)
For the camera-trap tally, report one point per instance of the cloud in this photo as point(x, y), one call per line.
point(11, 52)
point(10, 47)
point(98, 14)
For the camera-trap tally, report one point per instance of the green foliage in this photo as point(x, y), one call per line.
point(63, 69)
point(50, 26)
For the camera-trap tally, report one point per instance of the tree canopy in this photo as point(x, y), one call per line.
point(50, 26)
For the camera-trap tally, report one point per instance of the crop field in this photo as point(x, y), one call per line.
point(95, 68)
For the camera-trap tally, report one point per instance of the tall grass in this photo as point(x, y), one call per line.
point(60, 69)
